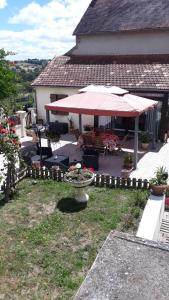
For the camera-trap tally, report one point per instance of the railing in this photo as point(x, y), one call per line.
point(99, 180)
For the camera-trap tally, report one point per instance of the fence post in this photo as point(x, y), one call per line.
point(134, 183)
point(129, 182)
point(112, 182)
point(123, 182)
point(102, 181)
point(139, 183)
point(145, 184)
point(97, 179)
point(59, 177)
point(118, 182)
point(108, 180)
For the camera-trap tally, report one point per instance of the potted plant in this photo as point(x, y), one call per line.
point(79, 178)
point(158, 183)
point(88, 127)
point(53, 137)
point(145, 139)
point(128, 161)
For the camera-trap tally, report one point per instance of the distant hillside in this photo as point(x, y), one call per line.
point(27, 71)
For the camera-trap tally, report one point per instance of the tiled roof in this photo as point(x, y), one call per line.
point(128, 72)
point(122, 15)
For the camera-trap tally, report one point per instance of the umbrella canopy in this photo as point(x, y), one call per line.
point(102, 104)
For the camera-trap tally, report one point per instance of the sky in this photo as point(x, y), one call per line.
point(39, 29)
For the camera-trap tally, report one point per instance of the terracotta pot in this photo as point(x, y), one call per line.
point(144, 146)
point(158, 190)
point(128, 166)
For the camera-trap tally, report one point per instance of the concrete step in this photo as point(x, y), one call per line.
point(164, 230)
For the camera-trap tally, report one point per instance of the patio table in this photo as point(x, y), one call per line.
point(56, 160)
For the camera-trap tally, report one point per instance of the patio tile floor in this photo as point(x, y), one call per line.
point(112, 163)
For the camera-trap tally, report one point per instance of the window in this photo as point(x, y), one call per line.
point(55, 97)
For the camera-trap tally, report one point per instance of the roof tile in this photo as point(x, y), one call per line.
point(123, 15)
point(150, 72)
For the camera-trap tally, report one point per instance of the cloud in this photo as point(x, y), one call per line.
point(3, 3)
point(49, 30)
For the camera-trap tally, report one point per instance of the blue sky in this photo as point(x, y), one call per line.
point(39, 28)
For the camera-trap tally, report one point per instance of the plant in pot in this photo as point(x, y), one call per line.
point(145, 139)
point(53, 137)
point(79, 178)
point(88, 127)
point(158, 183)
point(128, 161)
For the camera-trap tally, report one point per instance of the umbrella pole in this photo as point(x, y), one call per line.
point(80, 123)
point(136, 142)
point(47, 121)
point(154, 127)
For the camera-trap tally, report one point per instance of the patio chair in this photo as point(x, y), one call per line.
point(121, 143)
point(91, 161)
point(45, 151)
point(76, 133)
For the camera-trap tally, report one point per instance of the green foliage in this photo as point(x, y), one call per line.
point(9, 146)
point(145, 137)
point(8, 80)
point(136, 205)
point(128, 159)
point(161, 176)
point(54, 247)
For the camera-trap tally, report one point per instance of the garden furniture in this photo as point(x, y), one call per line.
point(57, 160)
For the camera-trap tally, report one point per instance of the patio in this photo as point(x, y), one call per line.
point(112, 164)
point(115, 104)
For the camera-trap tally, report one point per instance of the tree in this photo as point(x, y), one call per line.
point(8, 87)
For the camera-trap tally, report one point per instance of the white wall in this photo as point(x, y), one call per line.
point(43, 97)
point(148, 42)
point(149, 227)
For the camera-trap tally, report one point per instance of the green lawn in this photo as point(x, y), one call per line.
point(48, 243)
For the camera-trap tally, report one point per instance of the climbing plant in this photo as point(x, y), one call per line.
point(9, 149)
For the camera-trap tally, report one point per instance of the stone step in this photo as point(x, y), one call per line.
point(164, 230)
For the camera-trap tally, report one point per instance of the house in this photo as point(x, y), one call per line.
point(118, 43)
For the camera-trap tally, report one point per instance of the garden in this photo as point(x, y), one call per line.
point(49, 241)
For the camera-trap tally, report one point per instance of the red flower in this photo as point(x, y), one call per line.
point(12, 130)
point(88, 169)
point(3, 130)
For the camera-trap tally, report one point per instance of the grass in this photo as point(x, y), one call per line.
point(48, 242)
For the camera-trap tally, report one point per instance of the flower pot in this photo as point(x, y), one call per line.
point(80, 194)
point(158, 190)
point(127, 166)
point(144, 146)
point(79, 184)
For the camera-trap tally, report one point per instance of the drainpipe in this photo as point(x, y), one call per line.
point(47, 121)
point(136, 142)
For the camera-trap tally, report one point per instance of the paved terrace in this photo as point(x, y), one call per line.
point(112, 164)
